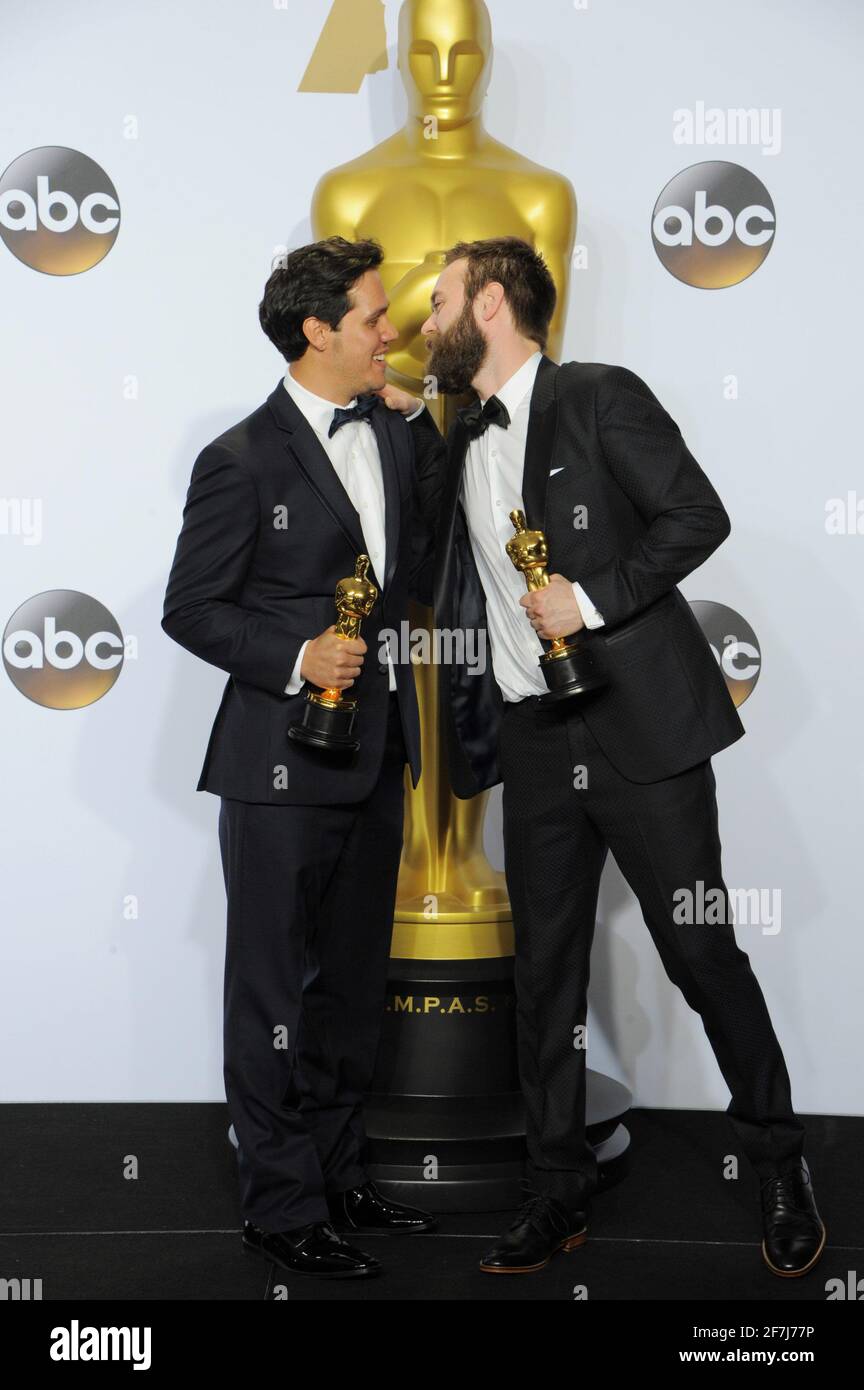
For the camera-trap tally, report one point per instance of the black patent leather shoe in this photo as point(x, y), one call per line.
point(794, 1230)
point(366, 1209)
point(313, 1249)
point(542, 1227)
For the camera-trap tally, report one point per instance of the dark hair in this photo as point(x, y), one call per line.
point(313, 280)
point(528, 286)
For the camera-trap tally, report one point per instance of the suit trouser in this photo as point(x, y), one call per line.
point(311, 891)
point(664, 837)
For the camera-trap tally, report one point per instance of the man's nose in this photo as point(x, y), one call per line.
point(427, 327)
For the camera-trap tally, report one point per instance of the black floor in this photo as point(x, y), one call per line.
point(673, 1229)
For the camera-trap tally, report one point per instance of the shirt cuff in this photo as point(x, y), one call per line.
point(413, 416)
point(590, 616)
point(295, 684)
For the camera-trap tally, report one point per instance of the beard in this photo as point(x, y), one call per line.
point(457, 355)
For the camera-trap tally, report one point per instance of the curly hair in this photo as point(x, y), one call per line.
point(314, 280)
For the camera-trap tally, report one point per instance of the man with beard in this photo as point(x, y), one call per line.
point(624, 768)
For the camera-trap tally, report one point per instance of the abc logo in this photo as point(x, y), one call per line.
point(63, 649)
point(58, 210)
point(734, 645)
point(713, 225)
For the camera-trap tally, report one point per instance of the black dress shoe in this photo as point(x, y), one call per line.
point(312, 1249)
point(543, 1226)
point(365, 1209)
point(794, 1230)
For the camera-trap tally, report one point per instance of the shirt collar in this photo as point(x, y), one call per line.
point(317, 409)
point(519, 385)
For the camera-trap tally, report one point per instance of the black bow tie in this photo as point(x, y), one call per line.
point(361, 411)
point(477, 418)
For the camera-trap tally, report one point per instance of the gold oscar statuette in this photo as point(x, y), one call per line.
point(570, 667)
point(327, 720)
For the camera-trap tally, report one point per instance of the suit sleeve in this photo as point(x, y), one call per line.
point(685, 519)
point(203, 609)
point(429, 454)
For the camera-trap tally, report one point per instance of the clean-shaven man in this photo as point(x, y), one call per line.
point(594, 460)
point(279, 507)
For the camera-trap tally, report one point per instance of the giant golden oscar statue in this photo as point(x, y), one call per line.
point(448, 1057)
point(442, 179)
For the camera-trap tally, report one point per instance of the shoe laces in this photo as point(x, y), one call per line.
point(788, 1188)
point(323, 1230)
point(537, 1207)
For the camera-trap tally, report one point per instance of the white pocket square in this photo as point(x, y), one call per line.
point(553, 471)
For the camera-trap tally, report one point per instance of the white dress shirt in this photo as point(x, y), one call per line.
point(353, 452)
point(491, 489)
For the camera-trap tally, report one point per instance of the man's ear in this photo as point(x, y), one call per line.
point(491, 299)
point(316, 331)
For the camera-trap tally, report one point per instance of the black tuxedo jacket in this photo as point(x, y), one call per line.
point(268, 531)
point(652, 518)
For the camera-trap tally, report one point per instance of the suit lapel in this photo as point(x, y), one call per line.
point(311, 457)
point(457, 447)
point(540, 443)
point(392, 497)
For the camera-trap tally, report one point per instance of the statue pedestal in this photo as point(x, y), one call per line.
point(445, 1120)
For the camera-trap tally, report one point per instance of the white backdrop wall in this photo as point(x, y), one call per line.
point(113, 379)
